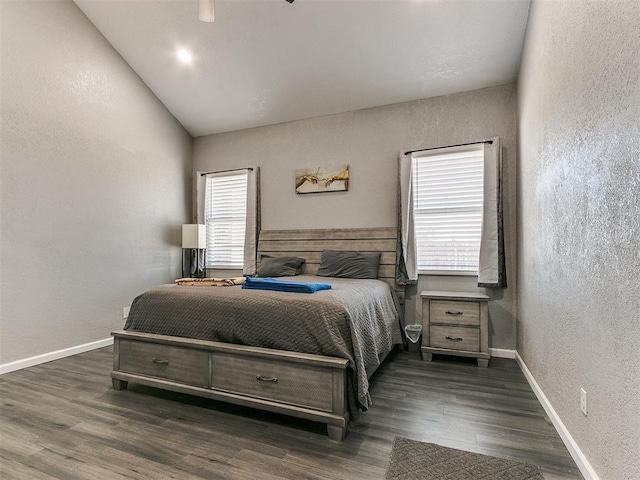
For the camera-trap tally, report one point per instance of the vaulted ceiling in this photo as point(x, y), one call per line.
point(268, 61)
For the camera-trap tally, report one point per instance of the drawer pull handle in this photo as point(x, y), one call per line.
point(457, 339)
point(157, 361)
point(266, 379)
point(453, 312)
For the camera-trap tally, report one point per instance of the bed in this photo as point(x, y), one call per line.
point(308, 356)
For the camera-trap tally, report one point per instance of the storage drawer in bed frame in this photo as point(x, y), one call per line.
point(165, 361)
point(271, 379)
point(302, 385)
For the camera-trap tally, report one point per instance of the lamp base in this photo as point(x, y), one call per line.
point(194, 263)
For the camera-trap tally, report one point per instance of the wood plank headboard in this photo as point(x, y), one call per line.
point(309, 244)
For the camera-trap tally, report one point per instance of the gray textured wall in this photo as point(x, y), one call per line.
point(369, 141)
point(95, 182)
point(579, 222)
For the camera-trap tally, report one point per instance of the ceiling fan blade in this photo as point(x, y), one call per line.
point(205, 11)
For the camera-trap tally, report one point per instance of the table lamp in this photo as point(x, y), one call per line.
point(194, 244)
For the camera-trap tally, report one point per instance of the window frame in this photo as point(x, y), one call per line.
point(479, 209)
point(207, 221)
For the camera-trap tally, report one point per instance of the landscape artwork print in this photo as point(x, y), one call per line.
point(322, 179)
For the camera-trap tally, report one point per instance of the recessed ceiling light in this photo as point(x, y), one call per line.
point(184, 56)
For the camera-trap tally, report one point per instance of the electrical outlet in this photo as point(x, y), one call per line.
point(125, 312)
point(583, 401)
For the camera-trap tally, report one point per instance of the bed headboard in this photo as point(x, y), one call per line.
point(309, 244)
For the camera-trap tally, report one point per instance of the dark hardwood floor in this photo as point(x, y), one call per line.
point(63, 420)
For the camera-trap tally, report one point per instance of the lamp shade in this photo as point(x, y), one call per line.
point(194, 236)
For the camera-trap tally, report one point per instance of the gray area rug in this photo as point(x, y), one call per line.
point(412, 460)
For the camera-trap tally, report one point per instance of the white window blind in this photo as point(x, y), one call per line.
point(448, 196)
point(225, 211)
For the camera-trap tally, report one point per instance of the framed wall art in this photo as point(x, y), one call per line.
point(333, 178)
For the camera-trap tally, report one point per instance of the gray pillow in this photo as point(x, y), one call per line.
point(280, 266)
point(349, 264)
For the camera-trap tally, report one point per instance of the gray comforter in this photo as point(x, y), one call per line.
point(356, 320)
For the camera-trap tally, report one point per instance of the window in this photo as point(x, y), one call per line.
point(225, 212)
point(447, 201)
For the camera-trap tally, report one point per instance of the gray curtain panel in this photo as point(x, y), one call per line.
point(406, 249)
point(252, 229)
point(492, 271)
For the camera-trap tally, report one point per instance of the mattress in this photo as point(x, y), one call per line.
point(356, 319)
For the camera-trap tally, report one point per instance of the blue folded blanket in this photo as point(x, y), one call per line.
point(269, 283)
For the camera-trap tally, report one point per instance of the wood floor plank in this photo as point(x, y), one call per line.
point(14, 470)
point(129, 464)
point(64, 420)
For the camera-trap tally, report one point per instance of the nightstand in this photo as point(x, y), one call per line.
point(455, 323)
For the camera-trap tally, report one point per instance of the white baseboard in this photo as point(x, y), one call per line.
point(48, 357)
point(502, 353)
point(581, 461)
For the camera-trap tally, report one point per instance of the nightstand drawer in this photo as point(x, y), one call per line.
point(455, 338)
point(454, 313)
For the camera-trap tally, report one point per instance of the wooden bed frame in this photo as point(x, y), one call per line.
point(312, 387)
